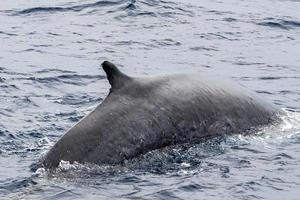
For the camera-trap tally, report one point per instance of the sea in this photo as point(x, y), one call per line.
point(51, 76)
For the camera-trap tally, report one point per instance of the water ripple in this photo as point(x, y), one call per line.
point(78, 99)
point(76, 8)
point(279, 23)
point(74, 79)
point(8, 34)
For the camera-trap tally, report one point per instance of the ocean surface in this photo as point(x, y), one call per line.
point(50, 77)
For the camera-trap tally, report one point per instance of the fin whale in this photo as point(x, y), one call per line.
point(142, 114)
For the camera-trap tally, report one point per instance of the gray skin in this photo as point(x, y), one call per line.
point(142, 114)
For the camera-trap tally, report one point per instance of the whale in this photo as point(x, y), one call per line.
point(141, 114)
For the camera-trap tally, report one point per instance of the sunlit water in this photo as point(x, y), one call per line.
point(50, 77)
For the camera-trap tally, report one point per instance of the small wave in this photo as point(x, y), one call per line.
point(276, 78)
point(291, 23)
point(128, 43)
point(166, 42)
point(79, 99)
point(218, 12)
point(131, 6)
point(266, 78)
point(273, 25)
point(200, 48)
point(34, 50)
point(236, 147)
point(54, 34)
point(73, 116)
point(264, 92)
point(229, 19)
point(281, 24)
point(15, 185)
point(195, 187)
point(6, 113)
point(41, 45)
point(6, 71)
point(25, 100)
point(154, 8)
point(43, 9)
point(282, 155)
point(8, 87)
point(248, 63)
point(76, 8)
point(230, 36)
point(8, 34)
point(3, 132)
point(73, 79)
point(54, 70)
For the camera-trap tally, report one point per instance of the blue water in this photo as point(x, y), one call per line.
point(50, 77)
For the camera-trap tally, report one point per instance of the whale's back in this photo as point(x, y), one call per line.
point(142, 114)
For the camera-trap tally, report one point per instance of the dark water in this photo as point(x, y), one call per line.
point(50, 77)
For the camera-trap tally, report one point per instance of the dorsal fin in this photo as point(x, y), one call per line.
point(115, 77)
